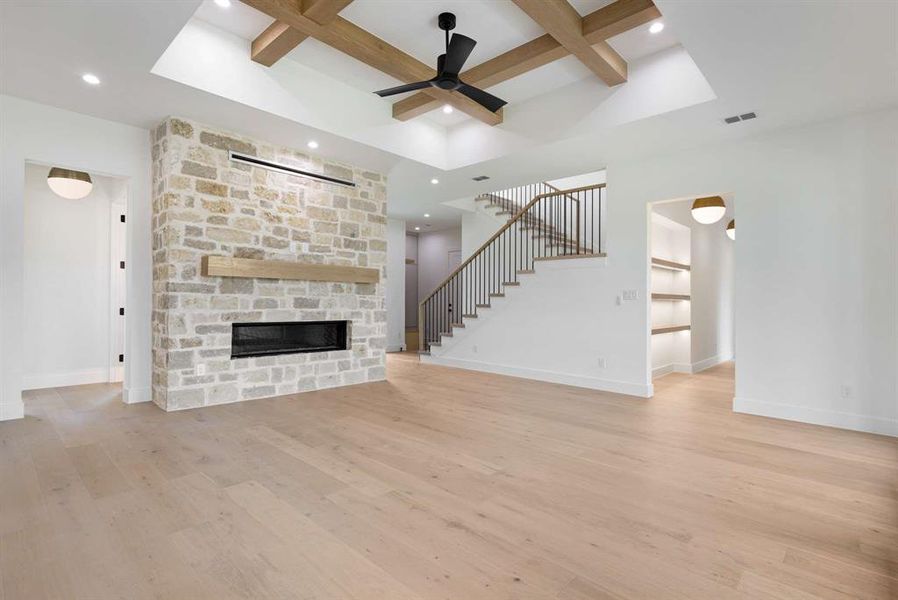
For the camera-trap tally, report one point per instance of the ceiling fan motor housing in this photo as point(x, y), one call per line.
point(446, 21)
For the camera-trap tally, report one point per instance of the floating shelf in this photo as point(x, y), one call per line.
point(669, 264)
point(671, 329)
point(671, 296)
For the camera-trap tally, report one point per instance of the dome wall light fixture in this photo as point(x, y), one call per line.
point(708, 210)
point(731, 229)
point(72, 185)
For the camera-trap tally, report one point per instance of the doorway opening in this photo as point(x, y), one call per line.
point(74, 284)
point(692, 287)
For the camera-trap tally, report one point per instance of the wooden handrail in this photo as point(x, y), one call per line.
point(502, 229)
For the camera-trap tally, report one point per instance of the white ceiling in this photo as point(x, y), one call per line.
point(411, 25)
point(792, 62)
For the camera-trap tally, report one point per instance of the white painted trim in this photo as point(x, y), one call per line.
point(50, 380)
point(817, 416)
point(699, 366)
point(671, 368)
point(9, 412)
point(136, 395)
point(593, 383)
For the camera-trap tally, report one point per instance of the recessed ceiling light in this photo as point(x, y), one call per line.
point(223, 3)
point(312, 144)
point(90, 78)
point(426, 215)
point(447, 109)
point(657, 27)
point(434, 181)
point(417, 229)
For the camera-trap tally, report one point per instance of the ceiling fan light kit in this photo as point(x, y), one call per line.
point(449, 65)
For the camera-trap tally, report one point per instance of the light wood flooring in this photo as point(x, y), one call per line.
point(443, 484)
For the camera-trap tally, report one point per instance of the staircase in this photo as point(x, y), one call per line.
point(544, 224)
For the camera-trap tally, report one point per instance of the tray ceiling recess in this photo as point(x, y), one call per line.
point(567, 33)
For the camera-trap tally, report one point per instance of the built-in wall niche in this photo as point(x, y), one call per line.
point(670, 295)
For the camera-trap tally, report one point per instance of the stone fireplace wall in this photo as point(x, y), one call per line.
point(204, 204)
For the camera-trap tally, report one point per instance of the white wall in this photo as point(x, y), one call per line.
point(395, 296)
point(558, 325)
point(411, 281)
point(42, 134)
point(433, 258)
point(477, 226)
point(67, 282)
point(815, 264)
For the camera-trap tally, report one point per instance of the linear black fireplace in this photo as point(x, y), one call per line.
point(266, 339)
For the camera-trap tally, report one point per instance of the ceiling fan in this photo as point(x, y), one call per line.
point(448, 67)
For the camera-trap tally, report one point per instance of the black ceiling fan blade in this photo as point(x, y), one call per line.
point(401, 89)
point(459, 50)
point(485, 99)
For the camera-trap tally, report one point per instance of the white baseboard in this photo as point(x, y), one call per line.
point(671, 368)
point(51, 380)
point(12, 410)
point(817, 416)
point(136, 395)
point(584, 381)
point(698, 367)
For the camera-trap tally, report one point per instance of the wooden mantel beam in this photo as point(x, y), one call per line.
point(562, 22)
point(351, 39)
point(279, 39)
point(597, 27)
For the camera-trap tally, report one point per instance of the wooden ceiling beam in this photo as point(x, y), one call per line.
point(616, 18)
point(597, 27)
point(562, 22)
point(351, 39)
point(280, 38)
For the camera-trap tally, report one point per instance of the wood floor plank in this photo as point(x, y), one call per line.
point(441, 484)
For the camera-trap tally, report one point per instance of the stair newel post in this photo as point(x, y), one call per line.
point(577, 225)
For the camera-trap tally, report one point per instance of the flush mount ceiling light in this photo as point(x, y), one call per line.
point(90, 78)
point(223, 3)
point(657, 27)
point(447, 109)
point(312, 144)
point(731, 229)
point(72, 185)
point(417, 229)
point(708, 210)
point(426, 215)
point(434, 181)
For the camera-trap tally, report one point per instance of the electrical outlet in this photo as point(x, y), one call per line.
point(629, 295)
point(474, 349)
point(200, 369)
point(846, 391)
point(602, 363)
